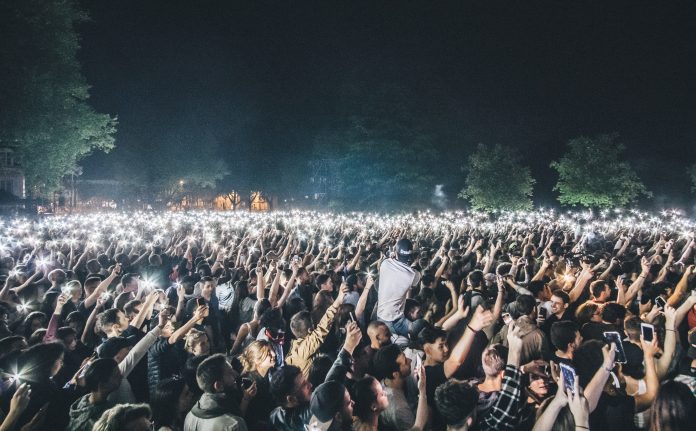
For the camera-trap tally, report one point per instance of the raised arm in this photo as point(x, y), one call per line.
point(362, 301)
point(198, 315)
point(481, 319)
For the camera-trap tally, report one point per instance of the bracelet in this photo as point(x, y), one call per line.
point(580, 426)
point(608, 370)
point(469, 326)
point(671, 330)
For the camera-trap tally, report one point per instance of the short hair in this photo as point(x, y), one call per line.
point(73, 286)
point(612, 312)
point(99, 372)
point(283, 383)
point(116, 418)
point(130, 308)
point(384, 363)
point(525, 304)
point(632, 327)
point(107, 318)
point(193, 336)
point(210, 371)
point(563, 295)
point(430, 334)
point(563, 333)
point(410, 305)
point(92, 282)
point(492, 360)
point(321, 364)
point(128, 278)
point(597, 287)
point(321, 279)
point(476, 278)
point(301, 324)
point(456, 401)
point(587, 359)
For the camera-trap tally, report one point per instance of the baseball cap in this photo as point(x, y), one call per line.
point(327, 400)
point(404, 249)
point(110, 347)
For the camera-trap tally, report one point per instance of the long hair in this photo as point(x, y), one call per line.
point(364, 397)
point(254, 354)
point(674, 408)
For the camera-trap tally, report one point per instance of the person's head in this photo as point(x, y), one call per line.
point(125, 417)
point(112, 322)
point(301, 324)
point(68, 337)
point(74, 289)
point(258, 356)
point(324, 282)
point(379, 334)
point(588, 312)
point(197, 343)
point(493, 361)
point(565, 336)
point(168, 393)
point(404, 251)
point(525, 305)
point(129, 282)
point(559, 302)
point(33, 322)
point(260, 307)
point(132, 308)
point(215, 375)
point(90, 284)
point(601, 291)
point(390, 363)
point(102, 375)
point(290, 387)
point(41, 362)
point(331, 406)
point(155, 260)
point(434, 342)
point(412, 309)
point(76, 320)
point(475, 279)
point(207, 287)
point(321, 364)
point(57, 277)
point(456, 402)
point(93, 266)
point(674, 408)
point(613, 313)
point(370, 399)
point(632, 328)
point(13, 343)
point(116, 347)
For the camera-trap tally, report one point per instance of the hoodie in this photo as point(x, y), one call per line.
point(84, 414)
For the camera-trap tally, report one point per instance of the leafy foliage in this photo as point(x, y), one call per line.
point(380, 159)
point(45, 116)
point(591, 174)
point(496, 179)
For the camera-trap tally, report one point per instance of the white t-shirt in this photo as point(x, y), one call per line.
point(395, 279)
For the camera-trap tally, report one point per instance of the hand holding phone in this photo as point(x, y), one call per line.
point(615, 337)
point(568, 375)
point(648, 331)
point(660, 302)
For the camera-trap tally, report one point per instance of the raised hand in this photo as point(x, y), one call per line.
point(482, 318)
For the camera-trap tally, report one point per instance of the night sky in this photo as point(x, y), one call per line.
point(534, 74)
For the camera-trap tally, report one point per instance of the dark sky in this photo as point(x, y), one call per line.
point(531, 74)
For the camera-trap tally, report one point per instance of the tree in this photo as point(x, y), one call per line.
point(591, 174)
point(380, 157)
point(496, 179)
point(692, 174)
point(45, 117)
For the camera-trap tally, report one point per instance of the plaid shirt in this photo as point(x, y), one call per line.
point(504, 413)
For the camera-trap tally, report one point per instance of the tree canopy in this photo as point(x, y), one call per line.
point(496, 179)
point(590, 174)
point(45, 118)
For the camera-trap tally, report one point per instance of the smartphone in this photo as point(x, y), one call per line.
point(569, 376)
point(660, 302)
point(648, 331)
point(542, 312)
point(200, 301)
point(352, 316)
point(246, 383)
point(614, 337)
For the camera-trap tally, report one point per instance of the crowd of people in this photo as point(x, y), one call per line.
point(301, 321)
